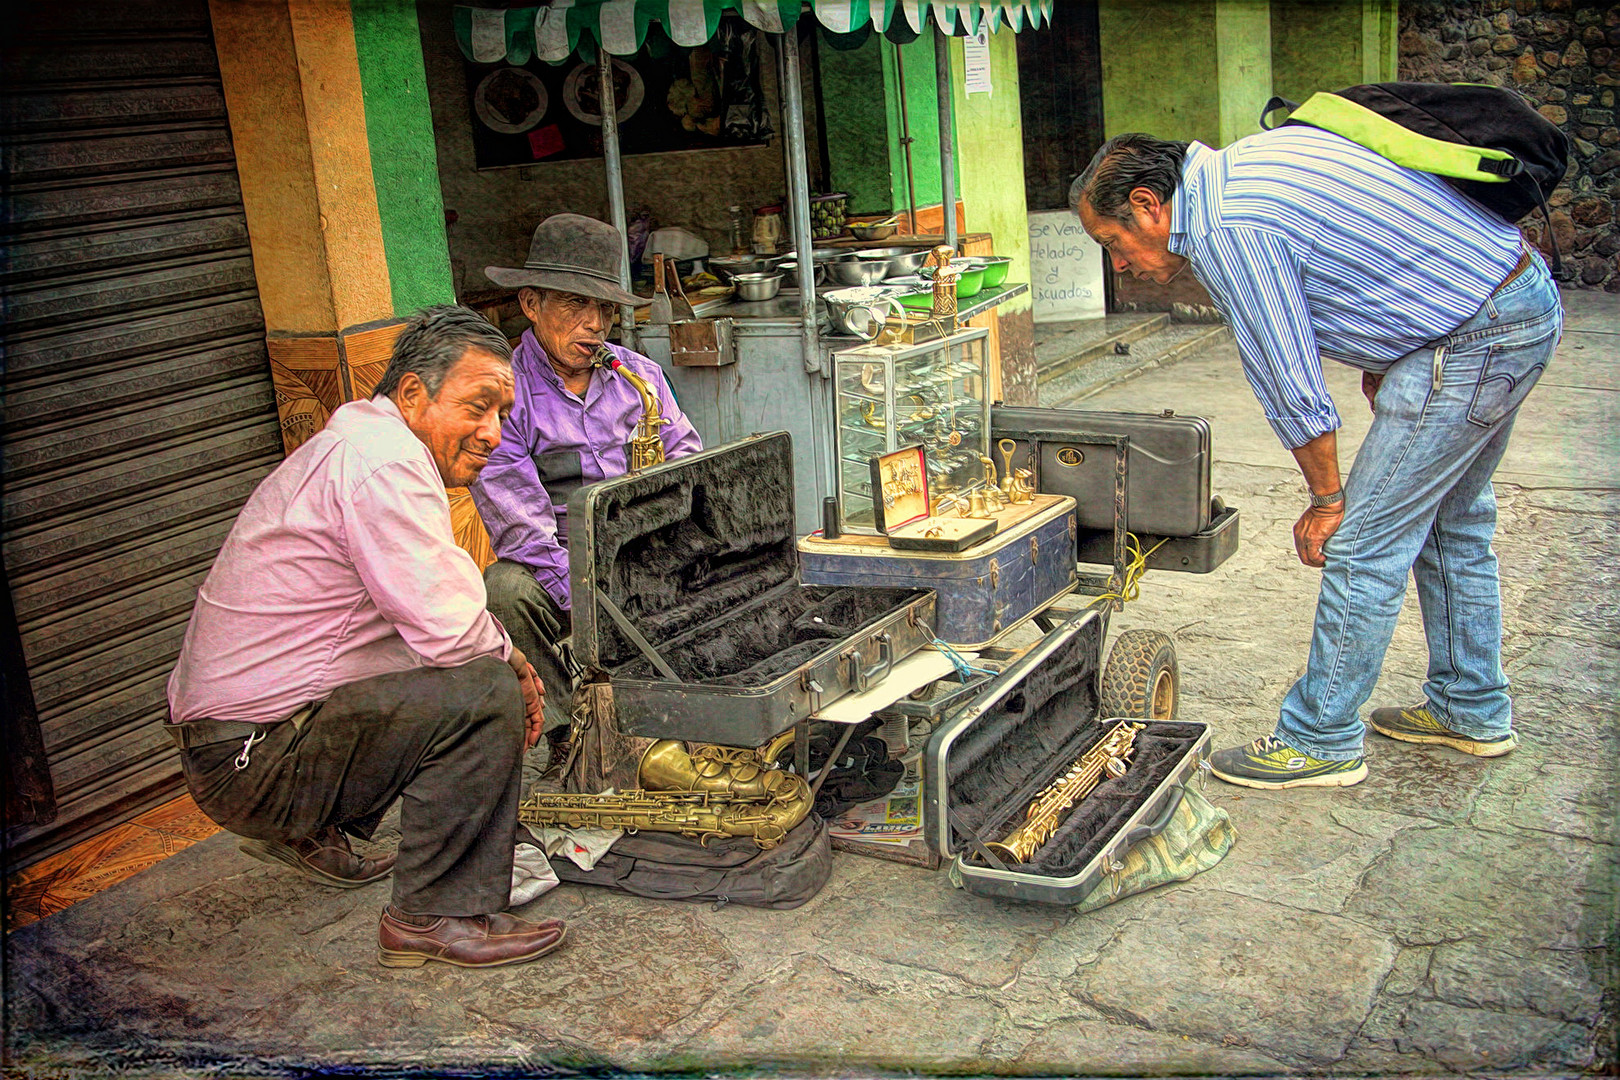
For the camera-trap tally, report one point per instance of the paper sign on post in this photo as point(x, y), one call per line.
point(976, 62)
point(1065, 268)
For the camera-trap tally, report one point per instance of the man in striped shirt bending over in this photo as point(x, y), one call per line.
point(1313, 248)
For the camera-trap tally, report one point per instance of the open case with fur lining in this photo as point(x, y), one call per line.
point(688, 604)
point(993, 757)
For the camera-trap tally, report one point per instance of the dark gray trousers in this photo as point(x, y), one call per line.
point(447, 742)
point(537, 626)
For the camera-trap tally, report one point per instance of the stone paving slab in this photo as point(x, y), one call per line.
point(1449, 915)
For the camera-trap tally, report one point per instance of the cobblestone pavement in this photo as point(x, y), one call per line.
point(1448, 915)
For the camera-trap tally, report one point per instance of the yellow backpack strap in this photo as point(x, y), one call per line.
point(1403, 146)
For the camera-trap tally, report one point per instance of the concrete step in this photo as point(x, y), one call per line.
point(1062, 347)
point(1163, 343)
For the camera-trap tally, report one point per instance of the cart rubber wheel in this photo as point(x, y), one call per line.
point(1141, 680)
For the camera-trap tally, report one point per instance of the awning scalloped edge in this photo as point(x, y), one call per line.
point(556, 31)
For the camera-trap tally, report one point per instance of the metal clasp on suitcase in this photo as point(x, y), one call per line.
point(860, 676)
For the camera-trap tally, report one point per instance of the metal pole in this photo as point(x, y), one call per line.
point(799, 193)
point(905, 137)
point(615, 186)
point(947, 151)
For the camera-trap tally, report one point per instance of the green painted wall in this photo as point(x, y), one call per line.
point(990, 159)
point(858, 150)
point(1159, 68)
point(1243, 63)
point(922, 115)
point(404, 164)
point(1329, 44)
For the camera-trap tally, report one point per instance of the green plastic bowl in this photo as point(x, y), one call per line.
point(968, 282)
point(917, 301)
point(995, 270)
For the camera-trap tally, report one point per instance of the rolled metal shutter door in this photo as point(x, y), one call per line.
point(138, 408)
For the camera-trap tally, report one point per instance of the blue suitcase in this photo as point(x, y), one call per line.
point(982, 590)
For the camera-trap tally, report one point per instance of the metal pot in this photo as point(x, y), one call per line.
point(859, 312)
point(858, 271)
point(756, 287)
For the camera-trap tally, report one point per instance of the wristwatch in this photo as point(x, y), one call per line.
point(1320, 502)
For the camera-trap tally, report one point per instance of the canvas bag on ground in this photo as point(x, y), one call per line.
point(667, 866)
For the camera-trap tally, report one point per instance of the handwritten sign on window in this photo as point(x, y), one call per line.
point(1066, 268)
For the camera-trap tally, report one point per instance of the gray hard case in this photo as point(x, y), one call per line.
point(990, 759)
point(1168, 464)
point(698, 557)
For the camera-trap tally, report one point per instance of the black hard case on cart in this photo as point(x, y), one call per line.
point(991, 758)
point(697, 556)
point(1166, 492)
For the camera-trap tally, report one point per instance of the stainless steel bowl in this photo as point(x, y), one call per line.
point(900, 260)
point(858, 271)
point(790, 270)
point(871, 232)
point(756, 287)
point(727, 267)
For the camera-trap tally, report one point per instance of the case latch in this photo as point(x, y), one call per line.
point(1034, 550)
point(995, 574)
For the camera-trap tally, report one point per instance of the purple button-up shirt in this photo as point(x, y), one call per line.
point(554, 440)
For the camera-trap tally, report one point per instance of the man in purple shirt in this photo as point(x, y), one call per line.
point(569, 426)
point(340, 657)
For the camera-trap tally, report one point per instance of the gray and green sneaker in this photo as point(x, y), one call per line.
point(1419, 725)
point(1268, 762)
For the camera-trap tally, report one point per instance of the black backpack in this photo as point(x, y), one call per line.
point(1485, 141)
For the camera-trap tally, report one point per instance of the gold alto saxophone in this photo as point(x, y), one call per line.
point(713, 791)
point(647, 444)
point(1051, 806)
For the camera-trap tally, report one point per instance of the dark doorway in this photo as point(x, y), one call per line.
point(1060, 84)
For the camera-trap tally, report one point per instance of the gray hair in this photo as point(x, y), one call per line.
point(433, 340)
point(1125, 163)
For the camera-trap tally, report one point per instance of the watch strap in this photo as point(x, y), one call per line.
point(1321, 501)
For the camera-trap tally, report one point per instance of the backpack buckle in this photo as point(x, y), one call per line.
point(1503, 167)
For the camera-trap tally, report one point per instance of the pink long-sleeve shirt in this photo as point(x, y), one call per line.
point(341, 566)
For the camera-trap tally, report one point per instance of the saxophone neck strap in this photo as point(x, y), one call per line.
point(975, 841)
point(636, 637)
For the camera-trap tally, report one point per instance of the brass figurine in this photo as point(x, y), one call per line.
point(1053, 805)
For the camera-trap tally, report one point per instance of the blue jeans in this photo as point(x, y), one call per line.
point(1419, 499)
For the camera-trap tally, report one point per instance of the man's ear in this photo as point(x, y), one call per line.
point(529, 303)
point(411, 395)
point(1147, 202)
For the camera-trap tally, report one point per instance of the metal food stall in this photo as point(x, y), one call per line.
point(768, 364)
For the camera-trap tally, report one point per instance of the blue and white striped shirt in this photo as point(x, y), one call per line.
point(1312, 246)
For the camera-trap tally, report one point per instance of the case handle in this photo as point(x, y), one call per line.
point(864, 676)
point(1154, 828)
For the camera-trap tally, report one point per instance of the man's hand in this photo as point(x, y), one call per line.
point(1312, 530)
point(534, 696)
point(1370, 382)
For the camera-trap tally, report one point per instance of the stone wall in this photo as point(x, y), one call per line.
point(1564, 55)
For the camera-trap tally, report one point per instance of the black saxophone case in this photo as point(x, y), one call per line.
point(1167, 487)
point(990, 759)
point(688, 603)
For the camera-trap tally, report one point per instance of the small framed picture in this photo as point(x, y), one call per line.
point(900, 487)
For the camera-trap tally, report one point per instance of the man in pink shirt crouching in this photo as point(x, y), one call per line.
point(340, 656)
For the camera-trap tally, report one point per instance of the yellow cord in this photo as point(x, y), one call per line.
point(1135, 567)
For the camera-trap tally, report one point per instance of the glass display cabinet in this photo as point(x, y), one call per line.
point(888, 396)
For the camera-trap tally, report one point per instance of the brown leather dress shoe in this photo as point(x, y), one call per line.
point(324, 858)
point(474, 941)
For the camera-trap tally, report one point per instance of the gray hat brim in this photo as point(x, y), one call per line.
point(522, 277)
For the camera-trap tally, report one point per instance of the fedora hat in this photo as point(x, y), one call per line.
point(571, 253)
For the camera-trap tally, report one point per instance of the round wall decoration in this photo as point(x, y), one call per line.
point(580, 92)
point(510, 100)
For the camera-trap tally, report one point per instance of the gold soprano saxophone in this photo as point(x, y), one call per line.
point(647, 444)
point(713, 791)
point(1051, 806)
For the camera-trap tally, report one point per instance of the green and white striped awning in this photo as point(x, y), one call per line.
point(555, 31)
